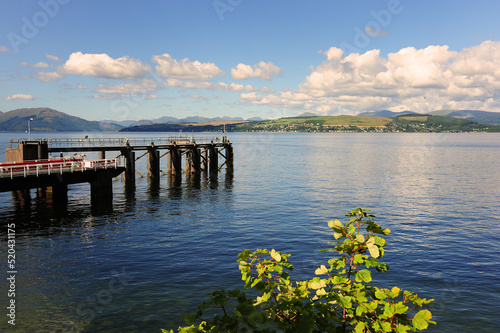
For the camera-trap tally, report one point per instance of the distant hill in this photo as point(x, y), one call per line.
point(482, 117)
point(384, 113)
point(49, 120)
point(209, 126)
point(173, 120)
point(405, 122)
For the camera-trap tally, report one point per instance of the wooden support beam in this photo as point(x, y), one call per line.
point(169, 162)
point(58, 193)
point(142, 155)
point(196, 159)
point(204, 163)
point(175, 156)
point(153, 163)
point(129, 167)
point(101, 194)
point(213, 168)
point(189, 161)
point(229, 158)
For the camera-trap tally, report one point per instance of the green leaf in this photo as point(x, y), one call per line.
point(380, 294)
point(317, 284)
point(400, 308)
point(360, 238)
point(382, 326)
point(358, 259)
point(363, 275)
point(421, 319)
point(360, 327)
point(254, 283)
point(402, 328)
point(395, 292)
point(275, 255)
point(374, 251)
point(389, 310)
point(345, 302)
point(321, 270)
point(335, 224)
point(321, 292)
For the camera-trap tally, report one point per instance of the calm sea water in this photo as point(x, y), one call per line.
point(164, 245)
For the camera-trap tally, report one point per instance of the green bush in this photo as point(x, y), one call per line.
point(338, 299)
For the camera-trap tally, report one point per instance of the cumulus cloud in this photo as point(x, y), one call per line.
point(17, 97)
point(103, 66)
point(4, 48)
point(167, 67)
point(261, 70)
point(410, 79)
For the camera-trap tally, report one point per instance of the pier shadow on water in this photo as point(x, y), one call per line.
point(39, 212)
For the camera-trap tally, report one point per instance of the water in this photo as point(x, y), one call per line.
point(163, 246)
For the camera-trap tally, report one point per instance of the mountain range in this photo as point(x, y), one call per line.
point(49, 120)
point(173, 120)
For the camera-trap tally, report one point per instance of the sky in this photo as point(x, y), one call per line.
point(130, 60)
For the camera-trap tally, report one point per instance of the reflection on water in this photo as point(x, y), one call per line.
point(165, 243)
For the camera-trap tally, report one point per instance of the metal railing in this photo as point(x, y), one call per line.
point(13, 170)
point(119, 142)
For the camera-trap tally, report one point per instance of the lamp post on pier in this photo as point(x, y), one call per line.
point(29, 129)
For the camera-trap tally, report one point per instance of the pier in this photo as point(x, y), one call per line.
point(32, 164)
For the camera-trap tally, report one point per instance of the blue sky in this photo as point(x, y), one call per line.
point(240, 58)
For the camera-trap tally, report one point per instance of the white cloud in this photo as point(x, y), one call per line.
point(209, 85)
point(266, 90)
point(371, 31)
point(167, 67)
point(4, 49)
point(199, 97)
point(37, 65)
point(105, 97)
point(261, 70)
point(103, 66)
point(129, 88)
point(52, 57)
point(49, 76)
point(17, 97)
point(411, 79)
